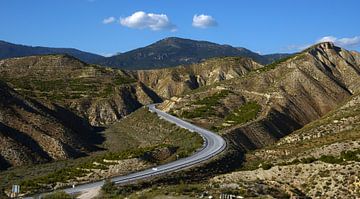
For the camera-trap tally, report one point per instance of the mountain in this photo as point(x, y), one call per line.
point(9, 50)
point(167, 52)
point(175, 51)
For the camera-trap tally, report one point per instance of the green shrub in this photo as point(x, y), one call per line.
point(330, 159)
point(207, 105)
point(308, 160)
point(245, 113)
point(109, 187)
point(266, 166)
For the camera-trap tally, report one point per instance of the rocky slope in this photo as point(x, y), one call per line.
point(169, 82)
point(291, 93)
point(31, 132)
point(320, 160)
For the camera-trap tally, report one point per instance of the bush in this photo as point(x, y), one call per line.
point(308, 160)
point(109, 187)
point(266, 166)
point(330, 159)
point(245, 113)
point(207, 105)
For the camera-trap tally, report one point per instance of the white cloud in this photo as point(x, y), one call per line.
point(351, 42)
point(342, 42)
point(142, 20)
point(109, 20)
point(203, 21)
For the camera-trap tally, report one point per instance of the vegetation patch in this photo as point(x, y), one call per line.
point(64, 88)
point(245, 113)
point(344, 157)
point(274, 64)
point(206, 106)
point(67, 174)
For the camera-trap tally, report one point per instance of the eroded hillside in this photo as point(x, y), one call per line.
point(276, 99)
point(101, 95)
point(169, 82)
point(318, 160)
point(32, 132)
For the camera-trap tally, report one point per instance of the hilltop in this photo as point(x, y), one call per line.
point(173, 51)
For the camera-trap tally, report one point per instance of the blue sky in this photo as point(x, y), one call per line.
point(265, 26)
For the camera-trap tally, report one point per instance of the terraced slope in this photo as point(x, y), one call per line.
point(101, 95)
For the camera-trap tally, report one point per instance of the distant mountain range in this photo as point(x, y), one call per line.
point(167, 52)
point(9, 50)
point(175, 51)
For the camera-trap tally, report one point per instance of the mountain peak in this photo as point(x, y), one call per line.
point(321, 46)
point(325, 45)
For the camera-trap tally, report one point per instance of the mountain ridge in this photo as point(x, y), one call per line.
point(167, 52)
point(10, 50)
point(173, 51)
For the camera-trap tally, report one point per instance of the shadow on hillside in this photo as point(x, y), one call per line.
point(25, 141)
point(88, 136)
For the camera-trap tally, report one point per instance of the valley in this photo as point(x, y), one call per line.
point(66, 122)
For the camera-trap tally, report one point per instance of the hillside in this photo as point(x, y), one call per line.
point(169, 82)
point(101, 95)
point(31, 132)
point(175, 51)
point(318, 160)
point(77, 94)
point(53, 105)
point(295, 120)
point(139, 141)
point(308, 100)
point(259, 108)
point(9, 50)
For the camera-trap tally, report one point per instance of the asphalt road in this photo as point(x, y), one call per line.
point(213, 145)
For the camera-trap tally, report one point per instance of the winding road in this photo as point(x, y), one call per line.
point(213, 145)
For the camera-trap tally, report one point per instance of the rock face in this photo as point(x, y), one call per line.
point(292, 93)
point(170, 82)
